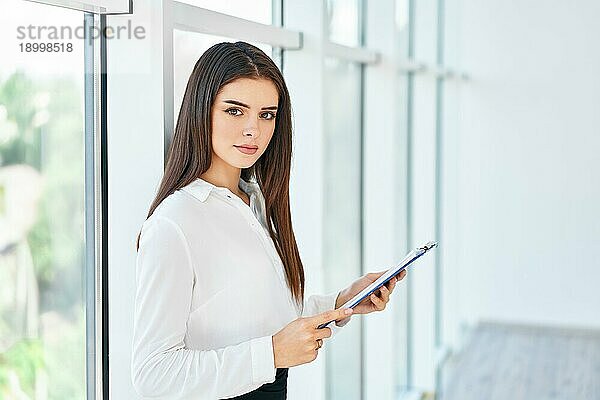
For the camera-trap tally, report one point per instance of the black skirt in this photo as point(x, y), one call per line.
point(276, 390)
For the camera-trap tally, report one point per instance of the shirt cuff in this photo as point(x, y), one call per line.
point(263, 360)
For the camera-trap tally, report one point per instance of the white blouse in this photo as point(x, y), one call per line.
point(211, 292)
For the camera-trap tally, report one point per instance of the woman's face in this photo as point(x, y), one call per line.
point(243, 121)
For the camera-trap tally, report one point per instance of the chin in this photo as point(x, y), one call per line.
point(243, 163)
point(237, 160)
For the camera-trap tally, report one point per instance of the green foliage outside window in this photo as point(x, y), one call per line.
point(41, 136)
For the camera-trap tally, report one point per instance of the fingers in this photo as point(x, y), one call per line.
point(323, 333)
point(391, 284)
point(379, 304)
point(328, 316)
point(401, 275)
point(375, 275)
point(319, 335)
point(385, 293)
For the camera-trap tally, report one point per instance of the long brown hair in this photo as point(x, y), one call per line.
point(190, 151)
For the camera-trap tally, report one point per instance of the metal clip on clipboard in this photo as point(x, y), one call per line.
point(383, 279)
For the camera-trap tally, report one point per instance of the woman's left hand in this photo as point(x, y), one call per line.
point(377, 300)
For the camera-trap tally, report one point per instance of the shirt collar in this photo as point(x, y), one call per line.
point(200, 189)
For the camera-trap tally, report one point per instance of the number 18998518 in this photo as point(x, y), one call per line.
point(46, 47)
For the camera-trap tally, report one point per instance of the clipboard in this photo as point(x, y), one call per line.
point(386, 277)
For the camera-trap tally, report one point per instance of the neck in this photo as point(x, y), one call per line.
point(223, 175)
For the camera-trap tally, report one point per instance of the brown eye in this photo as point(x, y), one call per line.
point(234, 110)
point(268, 115)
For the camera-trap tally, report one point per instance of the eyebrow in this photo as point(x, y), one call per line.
point(239, 103)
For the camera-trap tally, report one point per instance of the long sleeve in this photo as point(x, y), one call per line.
point(317, 304)
point(162, 367)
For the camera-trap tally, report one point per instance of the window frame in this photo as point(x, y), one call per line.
point(95, 192)
point(99, 7)
point(96, 212)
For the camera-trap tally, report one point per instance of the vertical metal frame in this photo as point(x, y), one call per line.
point(96, 212)
point(168, 76)
point(102, 207)
point(438, 171)
point(90, 212)
point(439, 146)
point(409, 161)
point(362, 20)
point(277, 20)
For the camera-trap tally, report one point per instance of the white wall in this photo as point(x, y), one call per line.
point(527, 164)
point(135, 165)
point(303, 69)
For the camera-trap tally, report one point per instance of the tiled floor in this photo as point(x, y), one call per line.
point(504, 362)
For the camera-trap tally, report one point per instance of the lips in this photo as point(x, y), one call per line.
point(246, 149)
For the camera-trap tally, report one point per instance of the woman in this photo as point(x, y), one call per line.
point(219, 305)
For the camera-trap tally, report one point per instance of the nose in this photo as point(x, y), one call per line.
point(251, 129)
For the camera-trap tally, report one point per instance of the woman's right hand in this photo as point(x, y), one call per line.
point(297, 344)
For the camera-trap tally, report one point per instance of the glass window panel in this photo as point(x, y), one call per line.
point(344, 21)
point(342, 216)
point(401, 21)
point(450, 31)
point(423, 214)
point(42, 247)
point(256, 10)
point(401, 312)
point(425, 26)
